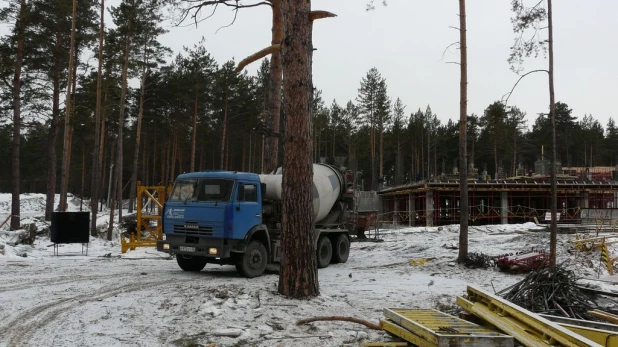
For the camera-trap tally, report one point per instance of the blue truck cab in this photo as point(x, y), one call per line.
point(216, 217)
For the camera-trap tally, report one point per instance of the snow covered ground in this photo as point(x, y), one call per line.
point(142, 298)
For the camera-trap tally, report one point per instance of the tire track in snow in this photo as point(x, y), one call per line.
point(55, 281)
point(19, 330)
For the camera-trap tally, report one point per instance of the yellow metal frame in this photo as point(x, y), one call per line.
point(437, 328)
point(526, 327)
point(396, 330)
point(605, 334)
point(146, 236)
point(384, 344)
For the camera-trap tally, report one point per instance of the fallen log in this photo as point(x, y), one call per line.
point(340, 318)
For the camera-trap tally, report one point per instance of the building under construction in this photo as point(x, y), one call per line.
point(518, 199)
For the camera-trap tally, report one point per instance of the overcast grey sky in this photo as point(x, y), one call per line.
point(405, 42)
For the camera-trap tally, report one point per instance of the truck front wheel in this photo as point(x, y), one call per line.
point(325, 252)
point(253, 261)
point(191, 262)
point(341, 249)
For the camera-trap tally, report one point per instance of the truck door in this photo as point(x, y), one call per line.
point(247, 209)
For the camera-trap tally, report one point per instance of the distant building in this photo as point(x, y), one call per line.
point(517, 199)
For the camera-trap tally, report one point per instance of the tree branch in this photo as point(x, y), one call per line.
point(257, 55)
point(447, 47)
point(199, 4)
point(320, 14)
point(340, 318)
point(516, 83)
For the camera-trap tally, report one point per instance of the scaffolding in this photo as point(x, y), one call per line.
point(493, 202)
point(150, 201)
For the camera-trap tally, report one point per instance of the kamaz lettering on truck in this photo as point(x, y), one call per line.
point(225, 217)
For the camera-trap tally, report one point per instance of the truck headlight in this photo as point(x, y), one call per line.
point(213, 251)
point(166, 246)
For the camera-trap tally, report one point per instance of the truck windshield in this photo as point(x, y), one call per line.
point(184, 190)
point(215, 190)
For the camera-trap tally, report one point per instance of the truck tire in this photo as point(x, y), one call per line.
point(325, 252)
point(341, 249)
point(191, 262)
point(253, 262)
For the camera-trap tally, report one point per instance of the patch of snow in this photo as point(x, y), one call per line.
point(142, 298)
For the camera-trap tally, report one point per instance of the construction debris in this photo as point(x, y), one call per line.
point(340, 318)
point(606, 316)
point(526, 327)
point(479, 260)
point(551, 291)
point(522, 261)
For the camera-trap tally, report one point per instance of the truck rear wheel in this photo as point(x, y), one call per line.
point(341, 249)
point(325, 252)
point(253, 261)
point(191, 262)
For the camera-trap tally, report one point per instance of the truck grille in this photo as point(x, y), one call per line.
point(193, 229)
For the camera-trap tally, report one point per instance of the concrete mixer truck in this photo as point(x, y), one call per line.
point(234, 218)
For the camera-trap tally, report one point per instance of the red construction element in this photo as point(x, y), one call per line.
point(365, 220)
point(522, 262)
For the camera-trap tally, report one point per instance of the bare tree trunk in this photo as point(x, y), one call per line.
point(96, 156)
point(123, 98)
point(495, 155)
point(463, 128)
point(274, 93)
point(81, 194)
point(224, 130)
point(381, 129)
point(15, 181)
point(299, 273)
point(515, 152)
point(66, 159)
point(428, 151)
point(111, 199)
point(552, 103)
point(194, 135)
point(173, 155)
point(140, 117)
point(51, 138)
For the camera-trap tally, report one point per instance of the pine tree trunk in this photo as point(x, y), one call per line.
point(66, 158)
point(428, 152)
point(194, 135)
point(274, 93)
point(140, 117)
point(381, 129)
point(299, 273)
point(515, 151)
point(123, 97)
point(111, 199)
point(496, 156)
point(51, 137)
point(463, 128)
point(552, 103)
point(224, 130)
point(96, 159)
point(15, 181)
